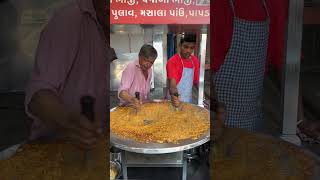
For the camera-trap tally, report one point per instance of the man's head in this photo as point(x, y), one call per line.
point(147, 55)
point(187, 45)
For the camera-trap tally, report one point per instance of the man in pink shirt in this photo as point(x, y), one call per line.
point(72, 60)
point(136, 77)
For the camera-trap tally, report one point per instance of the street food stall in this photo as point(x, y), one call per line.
point(161, 24)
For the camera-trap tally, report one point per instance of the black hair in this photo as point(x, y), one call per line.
point(188, 38)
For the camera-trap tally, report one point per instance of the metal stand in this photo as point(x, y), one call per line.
point(292, 71)
point(292, 138)
point(153, 160)
point(202, 55)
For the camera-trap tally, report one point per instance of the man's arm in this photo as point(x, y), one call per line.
point(172, 75)
point(172, 86)
point(127, 79)
point(173, 92)
point(57, 50)
point(124, 95)
point(46, 106)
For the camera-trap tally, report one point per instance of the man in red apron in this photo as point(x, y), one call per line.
point(183, 71)
point(247, 35)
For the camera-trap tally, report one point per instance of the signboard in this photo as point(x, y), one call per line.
point(159, 11)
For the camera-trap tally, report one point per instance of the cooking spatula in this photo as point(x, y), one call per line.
point(147, 121)
point(87, 109)
point(137, 95)
point(176, 94)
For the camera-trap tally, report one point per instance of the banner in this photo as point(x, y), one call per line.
point(160, 11)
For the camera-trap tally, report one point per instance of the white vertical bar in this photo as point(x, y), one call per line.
point(165, 59)
point(202, 58)
point(158, 64)
point(292, 71)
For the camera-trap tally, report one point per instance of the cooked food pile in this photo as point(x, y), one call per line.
point(54, 161)
point(160, 122)
point(240, 155)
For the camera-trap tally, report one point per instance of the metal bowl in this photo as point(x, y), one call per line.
point(157, 148)
point(231, 146)
point(10, 151)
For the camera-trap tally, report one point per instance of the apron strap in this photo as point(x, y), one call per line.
point(193, 67)
point(232, 8)
point(264, 5)
point(182, 61)
point(266, 8)
point(183, 64)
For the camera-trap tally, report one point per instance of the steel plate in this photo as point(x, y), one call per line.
point(10, 151)
point(157, 148)
point(277, 146)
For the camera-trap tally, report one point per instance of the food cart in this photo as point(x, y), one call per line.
point(160, 23)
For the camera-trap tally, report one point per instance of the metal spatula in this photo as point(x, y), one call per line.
point(179, 107)
point(137, 94)
point(147, 121)
point(87, 109)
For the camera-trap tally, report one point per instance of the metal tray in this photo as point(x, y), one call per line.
point(10, 151)
point(156, 148)
point(283, 159)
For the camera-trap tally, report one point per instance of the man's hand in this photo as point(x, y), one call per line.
point(75, 127)
point(80, 131)
point(136, 103)
point(132, 101)
point(175, 101)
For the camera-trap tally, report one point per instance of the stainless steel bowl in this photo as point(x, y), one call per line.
point(157, 148)
point(10, 151)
